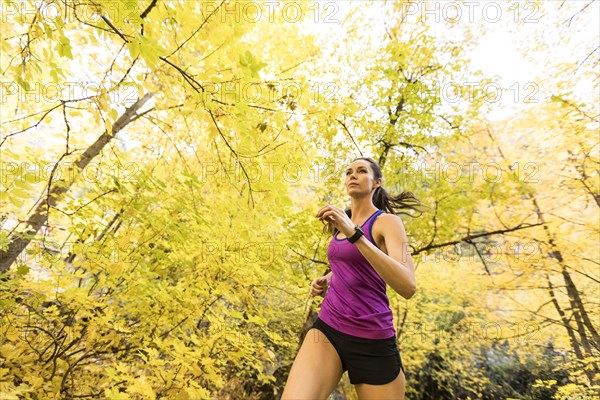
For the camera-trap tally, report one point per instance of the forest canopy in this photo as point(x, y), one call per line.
point(162, 163)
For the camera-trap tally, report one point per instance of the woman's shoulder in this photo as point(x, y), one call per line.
point(386, 216)
point(386, 221)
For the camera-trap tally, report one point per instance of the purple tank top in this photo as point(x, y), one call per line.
point(356, 302)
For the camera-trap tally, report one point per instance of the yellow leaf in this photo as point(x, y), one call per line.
point(143, 387)
point(257, 320)
point(103, 101)
point(114, 394)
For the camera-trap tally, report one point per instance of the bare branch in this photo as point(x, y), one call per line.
point(351, 137)
point(469, 238)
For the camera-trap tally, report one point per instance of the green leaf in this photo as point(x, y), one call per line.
point(24, 183)
point(4, 240)
point(150, 50)
point(63, 47)
point(19, 193)
point(255, 68)
point(67, 51)
point(134, 48)
point(246, 59)
point(22, 269)
point(15, 201)
point(47, 29)
point(555, 98)
point(24, 84)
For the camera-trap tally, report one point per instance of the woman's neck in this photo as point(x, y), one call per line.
point(361, 210)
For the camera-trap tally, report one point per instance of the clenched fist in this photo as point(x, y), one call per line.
point(318, 285)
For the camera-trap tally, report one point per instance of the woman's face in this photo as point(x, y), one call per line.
point(360, 178)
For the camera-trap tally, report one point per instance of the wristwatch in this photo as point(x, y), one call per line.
point(357, 234)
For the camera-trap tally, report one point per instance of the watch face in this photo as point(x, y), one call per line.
point(357, 234)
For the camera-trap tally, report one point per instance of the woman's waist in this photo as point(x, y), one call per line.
point(377, 325)
point(359, 293)
point(357, 304)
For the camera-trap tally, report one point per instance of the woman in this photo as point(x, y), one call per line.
point(354, 330)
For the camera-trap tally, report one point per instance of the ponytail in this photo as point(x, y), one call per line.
point(394, 204)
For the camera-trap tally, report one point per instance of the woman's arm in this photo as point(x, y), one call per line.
point(396, 268)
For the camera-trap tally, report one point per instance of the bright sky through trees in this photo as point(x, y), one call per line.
point(162, 163)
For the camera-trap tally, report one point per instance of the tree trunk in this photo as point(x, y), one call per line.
point(565, 320)
point(39, 217)
point(579, 311)
point(578, 308)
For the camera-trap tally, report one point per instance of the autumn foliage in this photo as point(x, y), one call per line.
point(162, 163)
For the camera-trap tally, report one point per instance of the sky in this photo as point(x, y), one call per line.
point(504, 31)
point(503, 36)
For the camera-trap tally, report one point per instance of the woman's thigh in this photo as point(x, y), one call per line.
point(316, 371)
point(390, 391)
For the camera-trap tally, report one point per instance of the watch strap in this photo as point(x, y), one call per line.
point(357, 234)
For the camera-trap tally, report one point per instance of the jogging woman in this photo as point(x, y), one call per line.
point(354, 330)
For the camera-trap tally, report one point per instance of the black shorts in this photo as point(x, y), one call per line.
point(372, 361)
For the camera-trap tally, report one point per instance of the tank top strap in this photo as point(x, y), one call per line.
point(370, 220)
point(366, 225)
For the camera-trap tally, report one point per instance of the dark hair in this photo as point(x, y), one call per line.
point(385, 201)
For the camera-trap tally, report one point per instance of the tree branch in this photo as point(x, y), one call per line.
point(469, 238)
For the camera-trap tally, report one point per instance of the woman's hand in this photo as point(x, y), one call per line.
point(318, 285)
point(338, 218)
